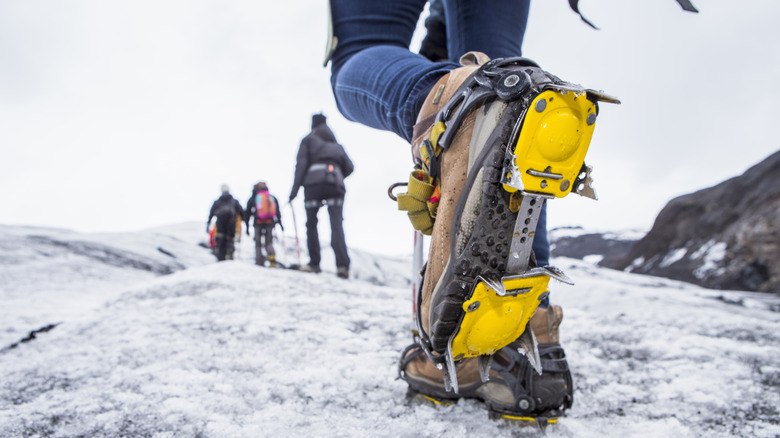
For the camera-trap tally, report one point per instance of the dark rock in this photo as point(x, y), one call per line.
point(723, 237)
point(573, 242)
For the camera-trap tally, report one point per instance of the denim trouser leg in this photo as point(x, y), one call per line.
point(384, 87)
point(493, 27)
point(378, 82)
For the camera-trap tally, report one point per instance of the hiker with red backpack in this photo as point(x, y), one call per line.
point(226, 209)
point(264, 208)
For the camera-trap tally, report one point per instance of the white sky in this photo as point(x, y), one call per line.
point(125, 115)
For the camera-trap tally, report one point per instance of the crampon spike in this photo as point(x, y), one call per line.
point(449, 371)
point(529, 348)
point(485, 362)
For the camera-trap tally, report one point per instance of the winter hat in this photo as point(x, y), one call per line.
point(261, 186)
point(317, 120)
point(225, 188)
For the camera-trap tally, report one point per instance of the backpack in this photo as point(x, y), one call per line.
point(226, 211)
point(265, 207)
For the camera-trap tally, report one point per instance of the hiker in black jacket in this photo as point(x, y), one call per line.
point(321, 167)
point(226, 209)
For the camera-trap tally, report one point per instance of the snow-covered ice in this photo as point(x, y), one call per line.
point(234, 350)
point(673, 257)
point(713, 253)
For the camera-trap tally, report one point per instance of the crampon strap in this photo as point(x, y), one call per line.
point(424, 190)
point(420, 201)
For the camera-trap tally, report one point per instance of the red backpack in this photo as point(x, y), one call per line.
point(265, 207)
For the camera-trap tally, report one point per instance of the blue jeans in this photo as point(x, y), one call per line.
point(378, 82)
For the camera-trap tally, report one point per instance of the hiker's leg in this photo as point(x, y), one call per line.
point(222, 239)
point(493, 27)
point(259, 258)
point(376, 80)
point(337, 239)
point(230, 235)
point(312, 237)
point(268, 230)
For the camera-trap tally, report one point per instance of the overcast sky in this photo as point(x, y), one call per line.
point(125, 115)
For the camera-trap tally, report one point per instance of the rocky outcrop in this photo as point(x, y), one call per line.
point(723, 237)
point(576, 243)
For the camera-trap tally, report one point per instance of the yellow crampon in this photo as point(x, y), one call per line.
point(550, 152)
point(493, 319)
point(551, 149)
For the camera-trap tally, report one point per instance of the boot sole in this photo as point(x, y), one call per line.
point(476, 274)
point(493, 412)
point(533, 397)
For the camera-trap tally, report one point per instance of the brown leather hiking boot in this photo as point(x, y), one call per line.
point(545, 324)
point(494, 140)
point(513, 389)
point(454, 169)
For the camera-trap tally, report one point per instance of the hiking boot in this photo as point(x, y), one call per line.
point(342, 272)
point(311, 268)
point(493, 141)
point(546, 323)
point(513, 389)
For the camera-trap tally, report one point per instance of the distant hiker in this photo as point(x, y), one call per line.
point(226, 209)
point(264, 208)
point(321, 167)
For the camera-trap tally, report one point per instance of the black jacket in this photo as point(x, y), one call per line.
point(226, 202)
point(322, 165)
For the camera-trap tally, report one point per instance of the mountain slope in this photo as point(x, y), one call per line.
point(724, 237)
point(577, 243)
